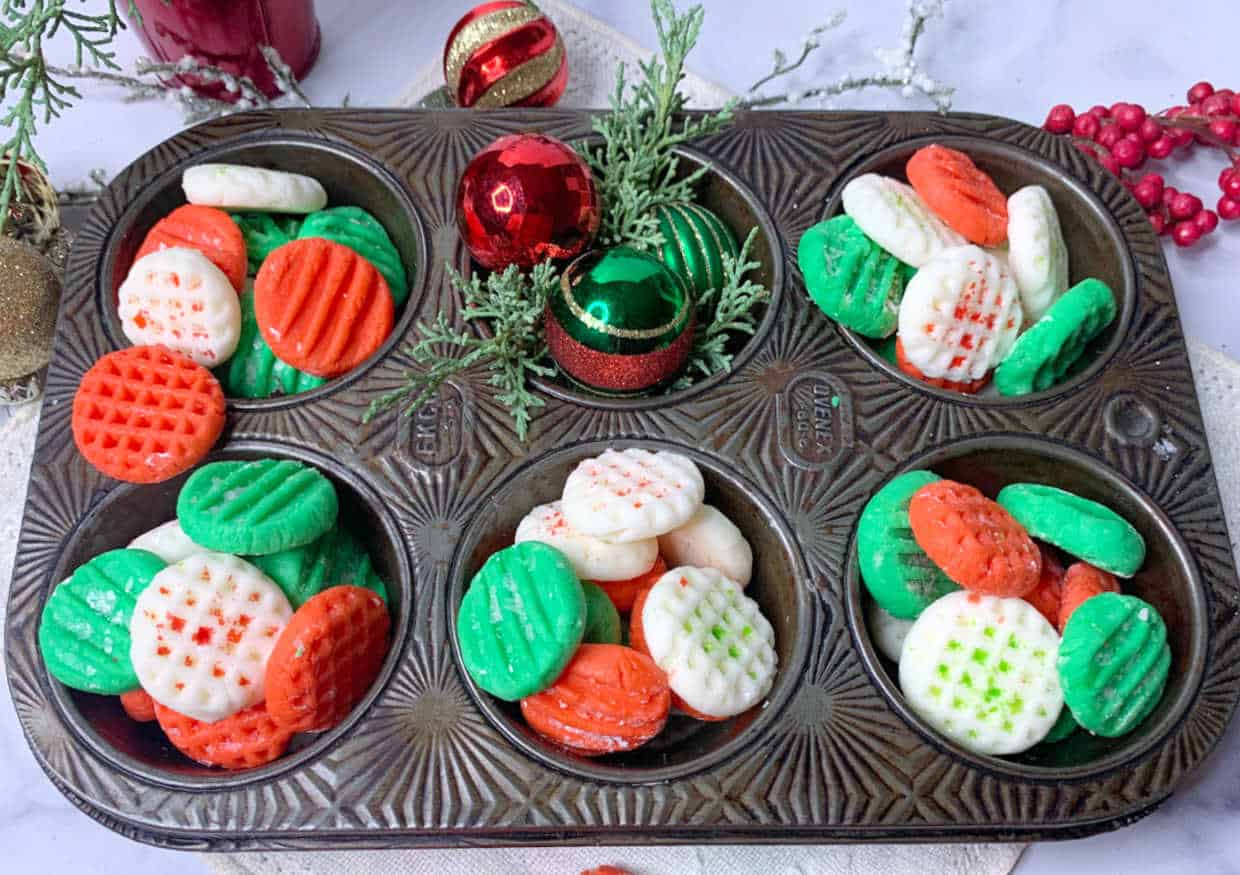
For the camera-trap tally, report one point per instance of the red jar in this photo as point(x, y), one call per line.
point(227, 34)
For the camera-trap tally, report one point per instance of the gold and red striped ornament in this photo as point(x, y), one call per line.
point(505, 53)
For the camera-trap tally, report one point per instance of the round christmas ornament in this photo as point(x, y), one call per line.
point(34, 213)
point(506, 53)
point(694, 243)
point(29, 296)
point(524, 198)
point(621, 321)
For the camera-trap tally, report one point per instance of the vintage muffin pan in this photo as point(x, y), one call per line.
point(791, 445)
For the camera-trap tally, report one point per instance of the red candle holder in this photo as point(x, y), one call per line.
point(228, 34)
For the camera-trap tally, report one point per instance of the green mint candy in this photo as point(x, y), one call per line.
point(84, 630)
point(887, 351)
point(1113, 663)
point(1082, 528)
point(1047, 351)
point(897, 572)
point(602, 618)
point(336, 558)
point(521, 620)
point(851, 278)
point(1064, 726)
point(360, 231)
point(253, 508)
point(254, 371)
point(263, 234)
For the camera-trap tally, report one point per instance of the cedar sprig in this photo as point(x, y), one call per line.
point(635, 167)
point(36, 92)
point(724, 312)
point(510, 304)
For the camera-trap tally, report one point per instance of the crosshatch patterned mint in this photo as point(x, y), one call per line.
point(982, 671)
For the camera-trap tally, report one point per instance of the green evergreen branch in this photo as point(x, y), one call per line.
point(26, 78)
point(511, 305)
point(635, 167)
point(725, 311)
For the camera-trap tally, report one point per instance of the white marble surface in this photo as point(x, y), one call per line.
point(1013, 59)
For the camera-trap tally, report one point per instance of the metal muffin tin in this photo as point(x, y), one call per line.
point(792, 443)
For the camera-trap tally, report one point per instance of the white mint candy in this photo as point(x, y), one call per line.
point(887, 632)
point(176, 297)
point(709, 540)
point(169, 542)
point(1036, 251)
point(201, 634)
point(591, 558)
point(711, 640)
point(895, 217)
point(632, 495)
point(982, 670)
point(960, 314)
point(238, 187)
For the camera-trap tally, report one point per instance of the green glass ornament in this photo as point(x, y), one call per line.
point(621, 321)
point(694, 243)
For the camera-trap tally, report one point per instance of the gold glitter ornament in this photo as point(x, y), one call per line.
point(29, 298)
point(505, 53)
point(34, 214)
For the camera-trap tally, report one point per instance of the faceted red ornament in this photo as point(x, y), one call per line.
point(505, 53)
point(525, 198)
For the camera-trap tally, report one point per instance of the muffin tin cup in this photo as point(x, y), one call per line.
point(722, 192)
point(351, 178)
point(141, 749)
point(685, 746)
point(1169, 580)
point(793, 442)
point(1095, 244)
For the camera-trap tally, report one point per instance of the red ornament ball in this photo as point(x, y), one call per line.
point(505, 53)
point(525, 198)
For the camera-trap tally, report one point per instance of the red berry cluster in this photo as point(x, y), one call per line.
point(1124, 136)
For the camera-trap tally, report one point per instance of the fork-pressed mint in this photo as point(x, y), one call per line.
point(636, 169)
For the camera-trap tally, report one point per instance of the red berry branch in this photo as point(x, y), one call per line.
point(1124, 136)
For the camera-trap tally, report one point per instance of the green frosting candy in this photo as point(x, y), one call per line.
point(253, 508)
point(1047, 351)
point(602, 618)
point(84, 630)
point(521, 620)
point(263, 234)
point(1113, 663)
point(1080, 527)
point(254, 371)
point(360, 231)
point(897, 572)
point(886, 350)
point(851, 278)
point(1064, 726)
point(336, 558)
point(694, 243)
